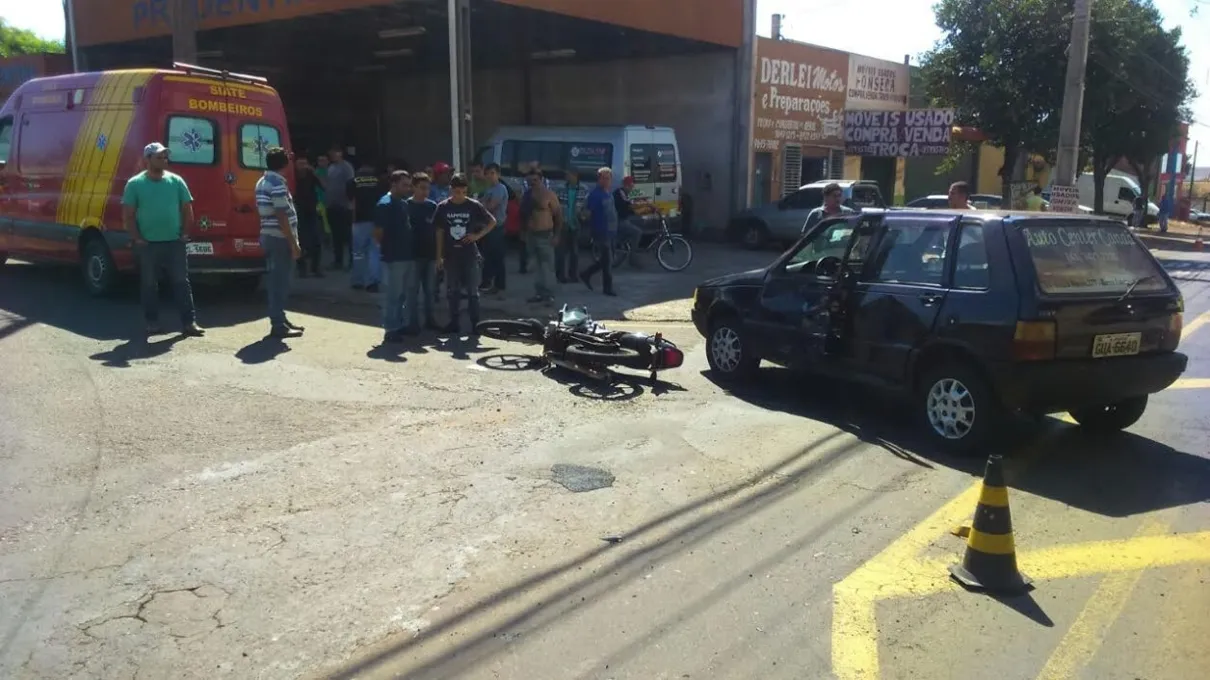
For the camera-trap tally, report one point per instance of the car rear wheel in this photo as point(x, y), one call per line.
point(728, 350)
point(959, 410)
point(96, 263)
point(1111, 417)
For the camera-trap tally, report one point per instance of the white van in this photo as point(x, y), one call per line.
point(1120, 192)
point(649, 154)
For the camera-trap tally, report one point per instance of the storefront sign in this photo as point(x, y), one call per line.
point(799, 93)
point(916, 132)
point(1064, 199)
point(876, 85)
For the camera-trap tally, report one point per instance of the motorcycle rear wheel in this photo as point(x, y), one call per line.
point(608, 355)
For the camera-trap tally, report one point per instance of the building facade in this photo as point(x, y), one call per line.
point(800, 94)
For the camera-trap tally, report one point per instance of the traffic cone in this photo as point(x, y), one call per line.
point(990, 562)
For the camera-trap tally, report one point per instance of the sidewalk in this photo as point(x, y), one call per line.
point(645, 294)
point(1169, 241)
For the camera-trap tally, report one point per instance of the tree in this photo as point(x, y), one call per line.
point(15, 41)
point(1000, 64)
point(1137, 90)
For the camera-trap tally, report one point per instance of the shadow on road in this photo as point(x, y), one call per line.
point(136, 348)
point(262, 351)
point(484, 628)
point(55, 297)
point(1114, 475)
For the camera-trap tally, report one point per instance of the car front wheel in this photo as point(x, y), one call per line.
point(958, 408)
point(729, 351)
point(1111, 417)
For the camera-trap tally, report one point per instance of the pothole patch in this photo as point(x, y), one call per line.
point(581, 478)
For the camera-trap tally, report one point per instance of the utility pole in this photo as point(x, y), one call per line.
point(1073, 107)
point(184, 31)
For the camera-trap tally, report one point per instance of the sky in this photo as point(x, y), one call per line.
point(888, 29)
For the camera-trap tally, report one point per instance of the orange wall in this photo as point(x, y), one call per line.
point(17, 70)
point(110, 21)
point(722, 23)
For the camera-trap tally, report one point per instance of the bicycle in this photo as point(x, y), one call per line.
point(669, 248)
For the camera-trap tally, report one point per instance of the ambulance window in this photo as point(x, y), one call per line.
point(191, 141)
point(6, 138)
point(254, 143)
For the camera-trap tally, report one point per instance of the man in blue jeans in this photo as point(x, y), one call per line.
point(422, 289)
point(603, 220)
point(393, 229)
point(366, 188)
point(494, 197)
point(279, 238)
point(157, 210)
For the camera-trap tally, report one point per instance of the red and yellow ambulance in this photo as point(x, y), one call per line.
point(69, 143)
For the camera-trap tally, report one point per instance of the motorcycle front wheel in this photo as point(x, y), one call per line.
point(519, 330)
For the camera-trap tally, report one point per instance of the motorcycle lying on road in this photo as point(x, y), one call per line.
point(572, 340)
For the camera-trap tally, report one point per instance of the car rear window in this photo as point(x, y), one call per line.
point(1090, 258)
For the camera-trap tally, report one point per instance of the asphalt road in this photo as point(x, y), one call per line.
point(232, 507)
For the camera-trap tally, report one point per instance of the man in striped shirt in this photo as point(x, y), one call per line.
point(278, 238)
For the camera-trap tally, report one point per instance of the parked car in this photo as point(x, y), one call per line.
point(782, 222)
point(938, 201)
point(969, 315)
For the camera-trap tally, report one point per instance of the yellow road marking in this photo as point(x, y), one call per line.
point(1190, 384)
point(1106, 557)
point(897, 571)
point(1191, 327)
point(854, 625)
point(1085, 637)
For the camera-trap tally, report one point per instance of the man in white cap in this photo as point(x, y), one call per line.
point(157, 211)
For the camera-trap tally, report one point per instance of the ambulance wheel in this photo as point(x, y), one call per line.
point(96, 263)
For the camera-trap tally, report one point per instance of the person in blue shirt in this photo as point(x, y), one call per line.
point(603, 222)
point(393, 227)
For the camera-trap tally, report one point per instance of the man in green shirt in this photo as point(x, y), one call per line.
point(157, 210)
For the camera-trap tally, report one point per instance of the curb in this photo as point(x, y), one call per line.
point(1156, 242)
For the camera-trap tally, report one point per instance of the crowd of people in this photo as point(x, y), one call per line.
point(398, 234)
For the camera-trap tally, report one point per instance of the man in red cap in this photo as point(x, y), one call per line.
point(441, 181)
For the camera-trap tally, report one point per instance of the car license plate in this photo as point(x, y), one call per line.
point(199, 248)
point(1116, 345)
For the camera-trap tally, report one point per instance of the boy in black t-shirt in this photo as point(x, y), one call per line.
point(423, 289)
point(365, 189)
point(461, 221)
